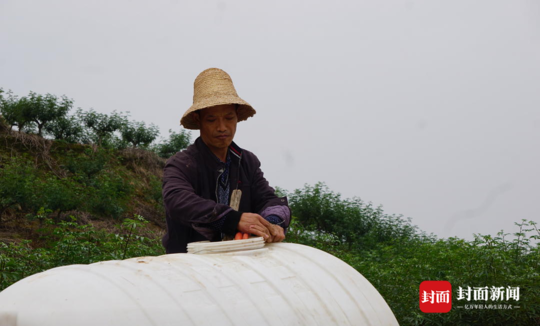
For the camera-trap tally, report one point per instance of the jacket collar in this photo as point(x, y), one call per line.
point(234, 150)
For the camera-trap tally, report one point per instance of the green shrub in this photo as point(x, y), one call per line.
point(88, 165)
point(350, 221)
point(67, 242)
point(18, 177)
point(109, 195)
point(59, 195)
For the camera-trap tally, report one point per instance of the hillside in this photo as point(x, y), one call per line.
point(74, 182)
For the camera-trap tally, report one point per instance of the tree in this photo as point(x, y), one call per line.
point(67, 128)
point(43, 109)
point(137, 134)
point(176, 143)
point(33, 110)
point(102, 125)
point(9, 108)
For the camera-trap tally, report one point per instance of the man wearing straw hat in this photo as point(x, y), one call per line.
point(214, 189)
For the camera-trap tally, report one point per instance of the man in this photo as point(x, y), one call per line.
point(200, 182)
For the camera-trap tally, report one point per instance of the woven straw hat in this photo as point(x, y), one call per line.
point(214, 87)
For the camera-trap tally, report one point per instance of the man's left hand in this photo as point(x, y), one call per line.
point(276, 234)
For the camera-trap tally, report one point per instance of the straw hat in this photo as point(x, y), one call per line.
point(214, 87)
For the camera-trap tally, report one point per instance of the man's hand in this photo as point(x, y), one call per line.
point(276, 233)
point(255, 224)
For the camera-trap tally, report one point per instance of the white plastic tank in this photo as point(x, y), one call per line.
point(280, 284)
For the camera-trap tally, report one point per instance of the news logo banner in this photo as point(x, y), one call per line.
point(436, 297)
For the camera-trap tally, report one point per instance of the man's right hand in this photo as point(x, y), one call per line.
point(254, 224)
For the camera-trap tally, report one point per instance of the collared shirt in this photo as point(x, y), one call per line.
point(223, 190)
point(223, 182)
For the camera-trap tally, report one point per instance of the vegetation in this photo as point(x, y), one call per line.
point(395, 257)
point(48, 116)
point(69, 242)
point(82, 188)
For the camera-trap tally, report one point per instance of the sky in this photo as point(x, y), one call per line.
point(428, 108)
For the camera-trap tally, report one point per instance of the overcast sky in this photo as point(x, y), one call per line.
point(428, 108)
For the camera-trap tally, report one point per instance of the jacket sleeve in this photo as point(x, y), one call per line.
point(265, 200)
point(183, 204)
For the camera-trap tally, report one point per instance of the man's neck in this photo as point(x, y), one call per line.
point(221, 154)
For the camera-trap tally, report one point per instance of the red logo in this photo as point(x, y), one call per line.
point(435, 296)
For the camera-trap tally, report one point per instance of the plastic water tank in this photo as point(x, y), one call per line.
point(280, 284)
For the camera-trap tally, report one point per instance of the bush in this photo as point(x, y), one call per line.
point(18, 176)
point(59, 195)
point(350, 221)
point(88, 165)
point(109, 195)
point(67, 242)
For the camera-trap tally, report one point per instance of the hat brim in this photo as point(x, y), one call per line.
point(245, 110)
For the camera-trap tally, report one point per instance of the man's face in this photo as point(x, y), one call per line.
point(218, 126)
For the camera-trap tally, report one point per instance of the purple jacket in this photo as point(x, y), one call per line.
point(190, 191)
